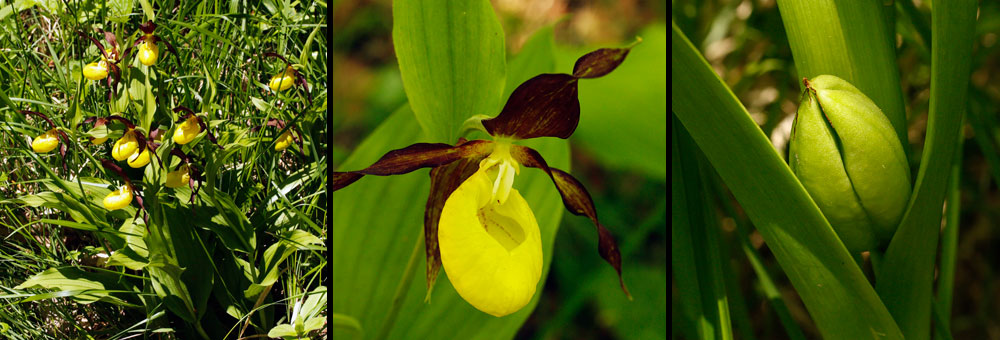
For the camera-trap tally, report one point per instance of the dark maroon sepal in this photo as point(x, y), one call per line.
point(598, 63)
point(548, 105)
point(543, 106)
point(577, 200)
point(148, 27)
point(413, 157)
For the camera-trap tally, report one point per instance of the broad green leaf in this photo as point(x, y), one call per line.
point(626, 110)
point(118, 10)
point(84, 287)
point(451, 58)
point(905, 281)
point(371, 247)
point(127, 258)
point(836, 293)
point(166, 282)
point(287, 331)
point(697, 265)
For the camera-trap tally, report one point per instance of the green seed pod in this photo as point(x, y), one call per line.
point(847, 156)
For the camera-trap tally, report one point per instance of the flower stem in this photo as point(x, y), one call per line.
point(401, 289)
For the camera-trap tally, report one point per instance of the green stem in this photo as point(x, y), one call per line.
point(401, 289)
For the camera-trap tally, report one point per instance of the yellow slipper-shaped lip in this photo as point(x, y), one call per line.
point(119, 198)
point(45, 142)
point(491, 252)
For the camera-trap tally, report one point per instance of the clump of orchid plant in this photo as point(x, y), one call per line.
point(476, 224)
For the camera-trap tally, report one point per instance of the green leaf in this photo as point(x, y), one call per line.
point(626, 110)
point(84, 287)
point(276, 254)
point(905, 281)
point(371, 247)
point(118, 10)
point(697, 265)
point(837, 295)
point(128, 258)
point(451, 58)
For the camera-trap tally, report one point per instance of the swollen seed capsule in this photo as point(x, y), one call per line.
point(847, 156)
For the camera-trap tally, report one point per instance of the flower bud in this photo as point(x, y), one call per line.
point(846, 154)
point(45, 142)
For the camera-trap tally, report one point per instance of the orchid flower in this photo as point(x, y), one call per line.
point(133, 145)
point(476, 224)
point(287, 78)
point(48, 141)
point(189, 126)
point(110, 57)
point(149, 52)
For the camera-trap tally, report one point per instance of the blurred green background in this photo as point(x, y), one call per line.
point(618, 151)
point(746, 43)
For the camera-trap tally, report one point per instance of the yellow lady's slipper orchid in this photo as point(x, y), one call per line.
point(139, 159)
point(284, 141)
point(119, 198)
point(476, 225)
point(179, 177)
point(125, 146)
point(490, 243)
point(187, 130)
point(46, 142)
point(283, 80)
point(148, 52)
point(96, 70)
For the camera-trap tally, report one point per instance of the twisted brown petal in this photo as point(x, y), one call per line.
point(577, 200)
point(444, 180)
